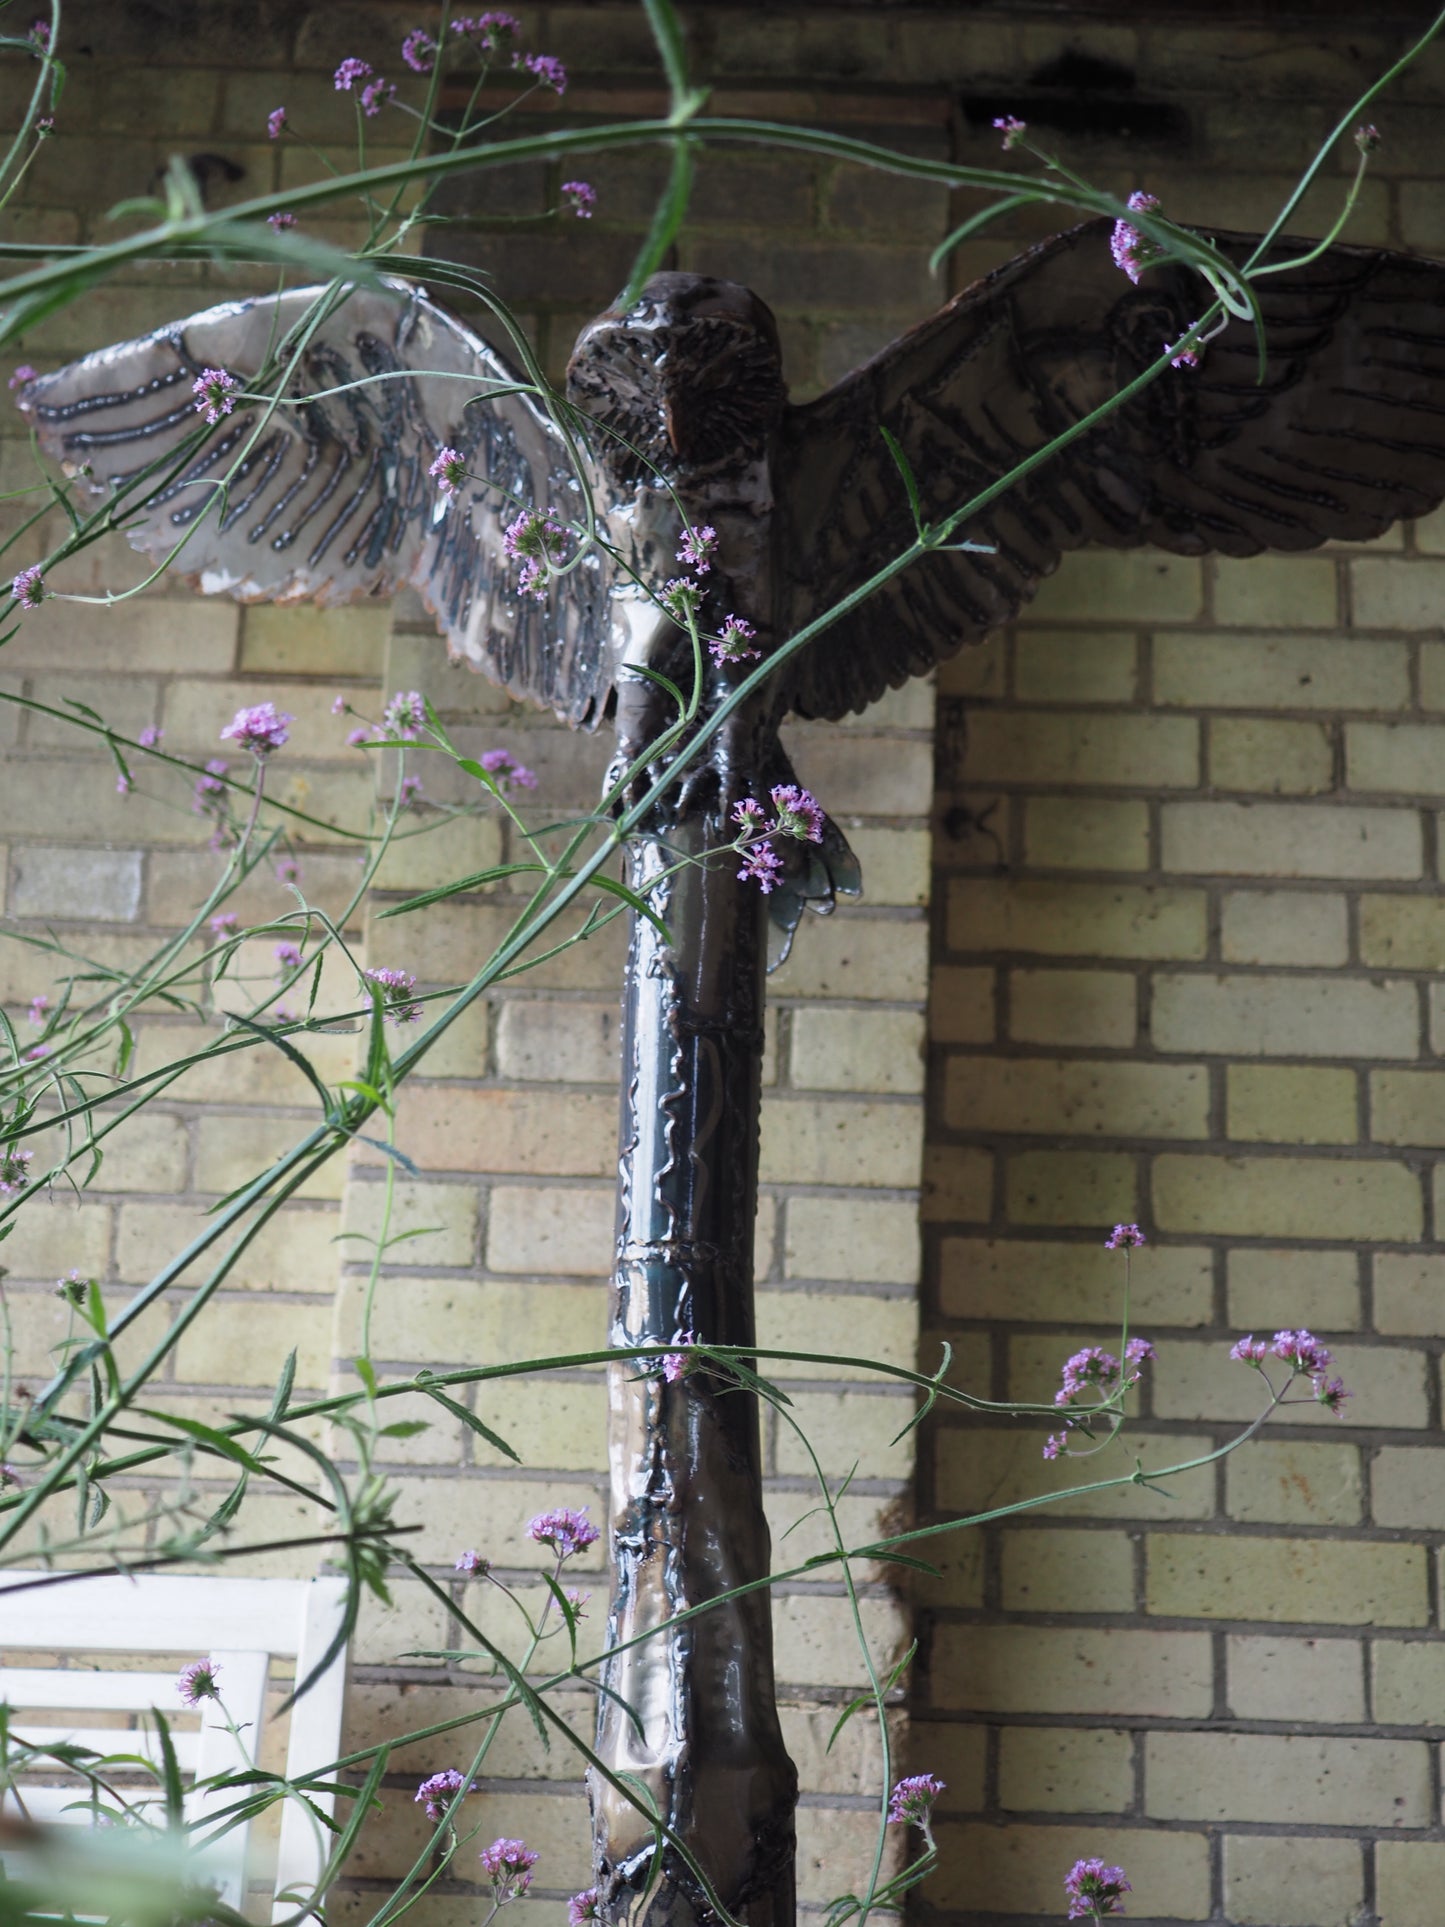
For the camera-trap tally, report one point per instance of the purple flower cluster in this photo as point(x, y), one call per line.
point(1094, 1369)
point(508, 1864)
point(580, 198)
point(1133, 251)
point(288, 956)
point(448, 471)
point(1125, 1237)
point(1094, 1889)
point(697, 548)
point(1012, 128)
point(350, 72)
point(404, 715)
point(473, 1565)
point(911, 1802)
point(798, 815)
point(14, 1169)
point(676, 1365)
point(396, 988)
point(584, 1907)
point(223, 924)
point(1367, 138)
point(22, 374)
point(1305, 1356)
point(280, 221)
point(565, 1529)
point(275, 121)
point(197, 1681)
point(732, 643)
point(547, 72)
point(214, 390)
point(259, 729)
point(509, 773)
point(492, 33)
point(419, 51)
point(681, 597)
point(535, 539)
point(437, 1793)
point(28, 588)
point(39, 1005)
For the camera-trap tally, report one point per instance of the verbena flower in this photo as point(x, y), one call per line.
point(350, 71)
point(38, 1051)
point(1302, 1351)
point(580, 198)
point(534, 539)
point(547, 72)
point(150, 737)
point(404, 715)
point(14, 1169)
point(374, 96)
point(45, 126)
point(697, 548)
point(410, 790)
point(1094, 1889)
point(1012, 129)
point(356, 737)
point(396, 988)
point(677, 1365)
point(911, 1802)
point(280, 221)
point(510, 774)
point(22, 374)
point(1186, 358)
point(577, 1601)
point(1367, 138)
point(197, 1681)
point(39, 1004)
point(338, 705)
point(214, 390)
point(762, 865)
point(1091, 1366)
point(8, 1475)
point(751, 814)
point(288, 956)
point(40, 35)
point(473, 1564)
point(72, 1287)
point(584, 1907)
point(1249, 1351)
point(449, 470)
point(28, 588)
point(680, 597)
point(492, 32)
point(122, 784)
point(437, 1793)
point(223, 923)
point(732, 644)
point(509, 1864)
point(1125, 1237)
point(275, 121)
point(566, 1530)
point(799, 814)
point(288, 870)
point(419, 51)
point(1331, 1393)
point(1133, 251)
point(1055, 1443)
point(1137, 1352)
point(260, 729)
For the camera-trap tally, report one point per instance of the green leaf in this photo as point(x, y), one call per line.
point(207, 1435)
point(366, 1373)
point(283, 1387)
point(405, 1428)
point(288, 1049)
point(170, 1773)
point(905, 469)
point(454, 889)
point(634, 902)
point(668, 216)
point(469, 1419)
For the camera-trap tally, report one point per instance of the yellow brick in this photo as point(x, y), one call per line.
point(814, 1643)
point(1405, 933)
point(1391, 594)
point(1018, 1869)
point(846, 1429)
point(1193, 1380)
point(1211, 1576)
point(559, 1042)
point(1085, 833)
point(255, 1074)
point(60, 881)
point(1058, 1769)
point(957, 1185)
point(1099, 583)
point(1171, 1284)
point(460, 1321)
point(978, 1470)
point(1073, 1007)
point(835, 1854)
point(1409, 1676)
point(196, 709)
point(456, 938)
point(491, 1513)
point(461, 1050)
point(961, 1005)
point(800, 1532)
point(54, 1233)
point(1271, 758)
point(855, 1755)
point(447, 1215)
point(169, 632)
point(1290, 839)
point(1016, 746)
point(1280, 672)
point(895, 863)
point(230, 1151)
point(1274, 1287)
point(1287, 1780)
point(416, 658)
point(511, 1132)
point(550, 1229)
point(432, 850)
point(178, 880)
point(1046, 1669)
point(1287, 1197)
point(296, 1250)
point(148, 1152)
point(1071, 1187)
point(1068, 666)
point(228, 1345)
point(853, 1240)
point(977, 670)
point(1276, 591)
point(1054, 1571)
point(1405, 1481)
point(852, 955)
point(1291, 1104)
point(1274, 1882)
point(317, 642)
point(1406, 1108)
point(1292, 1482)
point(961, 1753)
point(1399, 758)
point(1409, 1291)
point(1432, 675)
point(882, 1329)
point(1099, 1098)
point(1284, 927)
point(841, 1141)
point(1272, 1676)
point(858, 1050)
point(1075, 919)
point(1409, 1878)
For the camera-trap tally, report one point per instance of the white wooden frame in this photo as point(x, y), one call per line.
point(242, 1624)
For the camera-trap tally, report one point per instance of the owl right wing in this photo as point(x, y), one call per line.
point(328, 499)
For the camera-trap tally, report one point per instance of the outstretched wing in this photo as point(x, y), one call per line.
point(326, 497)
point(1345, 435)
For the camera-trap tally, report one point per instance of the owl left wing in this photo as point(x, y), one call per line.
point(327, 498)
point(1345, 435)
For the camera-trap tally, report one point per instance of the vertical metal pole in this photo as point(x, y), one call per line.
point(685, 1462)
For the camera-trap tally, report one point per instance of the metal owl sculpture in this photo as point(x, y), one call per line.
point(691, 426)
